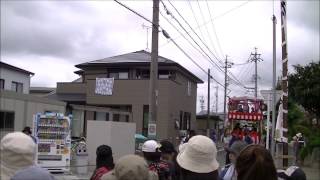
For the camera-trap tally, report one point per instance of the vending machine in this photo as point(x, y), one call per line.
point(53, 134)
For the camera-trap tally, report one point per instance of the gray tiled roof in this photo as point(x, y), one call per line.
point(133, 57)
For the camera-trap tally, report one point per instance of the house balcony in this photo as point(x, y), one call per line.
point(71, 88)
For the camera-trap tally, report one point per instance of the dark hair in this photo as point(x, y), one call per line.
point(167, 147)
point(27, 129)
point(189, 175)
point(104, 157)
point(255, 162)
point(152, 156)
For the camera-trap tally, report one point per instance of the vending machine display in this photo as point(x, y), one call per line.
point(52, 131)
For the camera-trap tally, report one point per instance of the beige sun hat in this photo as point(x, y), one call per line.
point(199, 155)
point(131, 167)
point(17, 152)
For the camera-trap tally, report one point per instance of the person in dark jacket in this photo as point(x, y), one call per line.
point(198, 160)
point(104, 162)
point(169, 155)
point(152, 154)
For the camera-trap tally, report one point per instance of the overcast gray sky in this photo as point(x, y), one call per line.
point(50, 37)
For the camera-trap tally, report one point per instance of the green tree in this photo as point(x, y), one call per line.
point(304, 87)
point(304, 90)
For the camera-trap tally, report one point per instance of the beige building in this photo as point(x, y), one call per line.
point(177, 90)
point(17, 106)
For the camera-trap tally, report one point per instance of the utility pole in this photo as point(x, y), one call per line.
point(153, 86)
point(274, 20)
point(284, 80)
point(147, 28)
point(226, 66)
point(217, 99)
point(202, 103)
point(255, 58)
point(208, 106)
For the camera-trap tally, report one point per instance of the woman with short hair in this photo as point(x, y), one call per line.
point(255, 162)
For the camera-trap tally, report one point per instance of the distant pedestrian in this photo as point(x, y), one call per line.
point(255, 162)
point(18, 154)
point(198, 159)
point(169, 154)
point(152, 154)
point(104, 162)
point(130, 167)
point(27, 131)
point(247, 138)
point(229, 172)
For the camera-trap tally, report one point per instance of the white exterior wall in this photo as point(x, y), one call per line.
point(24, 111)
point(10, 75)
point(118, 135)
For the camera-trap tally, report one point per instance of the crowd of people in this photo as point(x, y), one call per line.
point(196, 159)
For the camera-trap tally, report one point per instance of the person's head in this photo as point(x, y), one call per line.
point(292, 173)
point(198, 156)
point(130, 167)
point(151, 150)
point(18, 151)
point(192, 133)
point(167, 150)
point(34, 173)
point(235, 150)
point(255, 162)
point(27, 130)
point(104, 157)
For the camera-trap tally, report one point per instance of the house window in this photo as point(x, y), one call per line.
point(119, 75)
point(145, 120)
point(185, 120)
point(164, 74)
point(17, 87)
point(123, 75)
point(1, 83)
point(189, 88)
point(116, 117)
point(142, 74)
point(6, 120)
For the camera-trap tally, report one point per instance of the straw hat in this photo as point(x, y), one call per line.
point(199, 155)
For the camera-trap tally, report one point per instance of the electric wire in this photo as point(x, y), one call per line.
point(165, 34)
point(212, 61)
point(214, 29)
point(218, 66)
point(195, 18)
point(210, 39)
point(214, 18)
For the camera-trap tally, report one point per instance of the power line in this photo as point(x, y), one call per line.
point(165, 34)
point(218, 67)
point(194, 16)
point(169, 13)
point(168, 37)
point(212, 61)
point(213, 18)
point(135, 12)
point(184, 51)
point(214, 29)
point(214, 49)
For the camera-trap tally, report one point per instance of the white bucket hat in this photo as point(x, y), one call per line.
point(17, 152)
point(150, 146)
point(199, 155)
